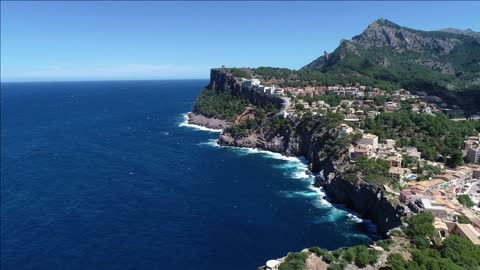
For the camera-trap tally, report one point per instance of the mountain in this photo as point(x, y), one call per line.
point(437, 62)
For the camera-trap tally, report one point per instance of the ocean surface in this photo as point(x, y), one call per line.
point(108, 175)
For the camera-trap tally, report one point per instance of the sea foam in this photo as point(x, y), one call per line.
point(184, 123)
point(296, 168)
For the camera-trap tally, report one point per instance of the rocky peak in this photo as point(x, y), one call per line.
point(467, 32)
point(383, 33)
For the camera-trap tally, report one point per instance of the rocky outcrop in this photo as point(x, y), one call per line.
point(313, 138)
point(220, 80)
point(320, 145)
point(385, 34)
point(366, 198)
point(201, 120)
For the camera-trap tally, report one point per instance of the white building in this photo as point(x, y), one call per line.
point(252, 82)
point(369, 139)
point(345, 130)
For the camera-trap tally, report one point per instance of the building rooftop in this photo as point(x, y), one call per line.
point(470, 232)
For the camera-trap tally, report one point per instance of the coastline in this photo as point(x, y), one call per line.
point(199, 120)
point(196, 121)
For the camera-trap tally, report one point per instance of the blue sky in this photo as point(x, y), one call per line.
point(62, 40)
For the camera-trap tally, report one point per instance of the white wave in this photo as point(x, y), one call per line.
point(299, 194)
point(296, 168)
point(336, 212)
point(211, 142)
point(185, 123)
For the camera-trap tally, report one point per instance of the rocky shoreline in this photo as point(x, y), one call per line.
point(201, 120)
point(368, 200)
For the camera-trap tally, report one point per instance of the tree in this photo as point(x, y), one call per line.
point(456, 159)
point(463, 220)
point(465, 200)
point(294, 261)
point(462, 252)
point(362, 258)
point(397, 262)
point(421, 225)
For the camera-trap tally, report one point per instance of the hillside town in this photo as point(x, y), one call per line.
point(436, 190)
point(437, 193)
point(355, 103)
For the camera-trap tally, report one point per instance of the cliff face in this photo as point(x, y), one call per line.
point(315, 139)
point(222, 81)
point(364, 197)
point(327, 156)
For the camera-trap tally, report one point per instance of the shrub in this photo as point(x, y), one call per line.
point(465, 200)
point(336, 266)
point(463, 220)
point(362, 259)
point(318, 251)
point(461, 251)
point(421, 225)
point(294, 261)
point(328, 257)
point(349, 255)
point(396, 261)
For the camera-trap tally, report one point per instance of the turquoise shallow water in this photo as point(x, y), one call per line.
point(106, 175)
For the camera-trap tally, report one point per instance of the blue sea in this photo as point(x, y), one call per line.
point(108, 175)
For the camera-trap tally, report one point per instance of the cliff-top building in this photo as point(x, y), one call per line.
point(369, 139)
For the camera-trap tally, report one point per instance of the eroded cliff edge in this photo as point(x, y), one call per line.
point(316, 139)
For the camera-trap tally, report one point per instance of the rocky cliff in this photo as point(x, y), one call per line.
point(366, 198)
point(327, 156)
point(221, 80)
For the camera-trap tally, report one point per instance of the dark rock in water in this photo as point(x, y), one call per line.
point(308, 172)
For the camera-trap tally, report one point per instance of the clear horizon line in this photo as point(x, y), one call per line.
point(100, 80)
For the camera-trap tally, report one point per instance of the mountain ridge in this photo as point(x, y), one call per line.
point(444, 63)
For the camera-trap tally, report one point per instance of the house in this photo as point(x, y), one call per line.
point(252, 82)
point(427, 110)
point(398, 173)
point(369, 139)
point(411, 152)
point(391, 106)
point(411, 195)
point(279, 91)
point(345, 130)
point(423, 205)
point(441, 229)
point(467, 231)
point(362, 151)
point(394, 161)
point(473, 155)
point(425, 186)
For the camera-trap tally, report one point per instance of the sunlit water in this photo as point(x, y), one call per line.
point(108, 175)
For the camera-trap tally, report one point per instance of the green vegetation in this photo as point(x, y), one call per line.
point(310, 77)
point(421, 225)
point(436, 136)
point(239, 72)
point(454, 253)
point(385, 244)
point(465, 200)
point(332, 120)
point(332, 100)
point(373, 170)
point(221, 104)
point(294, 261)
point(449, 75)
point(461, 252)
point(463, 220)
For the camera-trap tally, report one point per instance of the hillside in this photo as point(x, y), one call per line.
point(444, 62)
